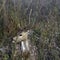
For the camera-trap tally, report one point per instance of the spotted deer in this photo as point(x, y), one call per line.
point(26, 50)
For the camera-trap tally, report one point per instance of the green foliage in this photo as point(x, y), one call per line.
point(45, 23)
point(5, 57)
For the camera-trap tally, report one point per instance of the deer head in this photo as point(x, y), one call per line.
point(22, 37)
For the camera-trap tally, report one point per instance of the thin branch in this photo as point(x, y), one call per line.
point(30, 15)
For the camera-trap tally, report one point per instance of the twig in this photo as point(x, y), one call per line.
point(30, 16)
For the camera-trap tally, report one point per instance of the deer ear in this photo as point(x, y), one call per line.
point(14, 38)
